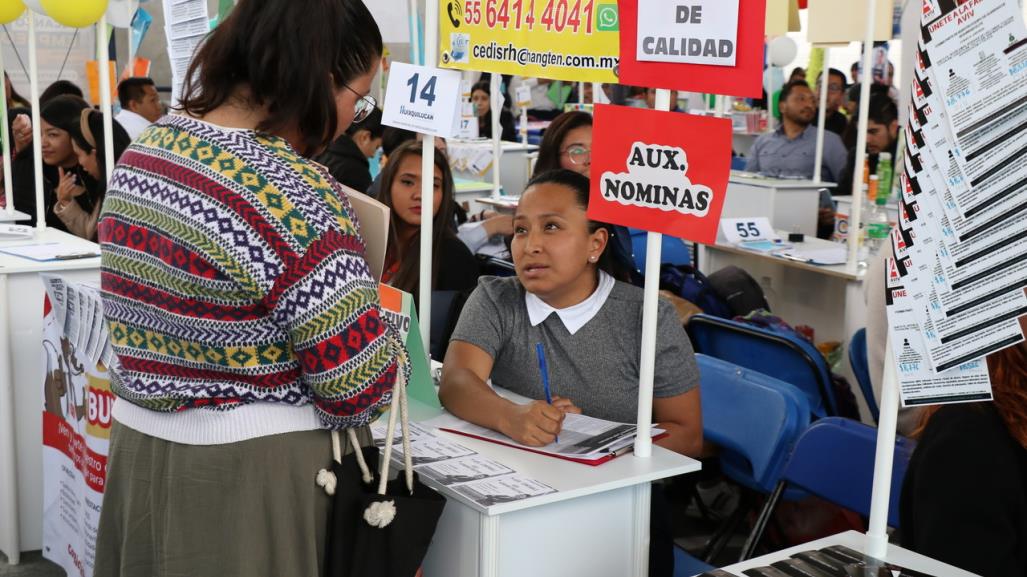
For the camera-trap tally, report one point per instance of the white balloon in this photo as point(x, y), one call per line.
point(120, 12)
point(35, 6)
point(782, 51)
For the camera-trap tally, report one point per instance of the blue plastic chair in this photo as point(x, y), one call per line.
point(861, 369)
point(834, 460)
point(754, 420)
point(673, 250)
point(685, 565)
point(779, 355)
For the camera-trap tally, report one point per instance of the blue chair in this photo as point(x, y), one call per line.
point(442, 322)
point(860, 368)
point(686, 565)
point(673, 250)
point(779, 355)
point(754, 420)
point(834, 460)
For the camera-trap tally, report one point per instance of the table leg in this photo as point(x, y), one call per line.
point(490, 546)
point(640, 532)
point(8, 445)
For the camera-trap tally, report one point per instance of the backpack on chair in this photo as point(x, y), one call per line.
point(693, 286)
point(739, 290)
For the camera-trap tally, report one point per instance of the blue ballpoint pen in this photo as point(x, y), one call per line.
point(541, 353)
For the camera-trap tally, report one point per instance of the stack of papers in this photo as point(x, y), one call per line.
point(482, 480)
point(186, 23)
point(79, 310)
point(956, 285)
point(582, 439)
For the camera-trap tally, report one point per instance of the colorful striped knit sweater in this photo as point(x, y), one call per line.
point(236, 292)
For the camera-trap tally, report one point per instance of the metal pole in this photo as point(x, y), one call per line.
point(37, 132)
point(825, 79)
point(497, 131)
point(650, 307)
point(103, 55)
point(431, 35)
point(415, 35)
point(877, 534)
point(861, 137)
point(6, 136)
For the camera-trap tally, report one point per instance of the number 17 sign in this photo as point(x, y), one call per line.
point(425, 100)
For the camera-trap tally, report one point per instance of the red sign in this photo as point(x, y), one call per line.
point(745, 79)
point(660, 171)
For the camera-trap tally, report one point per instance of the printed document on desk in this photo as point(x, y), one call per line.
point(582, 439)
point(822, 256)
point(51, 252)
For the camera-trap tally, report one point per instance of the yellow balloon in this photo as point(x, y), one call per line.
point(10, 10)
point(75, 13)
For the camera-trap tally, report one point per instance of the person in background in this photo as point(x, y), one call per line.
point(790, 150)
point(482, 100)
point(88, 142)
point(964, 497)
point(453, 265)
point(348, 158)
point(798, 74)
point(214, 454)
point(852, 103)
point(834, 119)
point(566, 297)
point(140, 105)
point(14, 100)
point(567, 143)
point(854, 71)
point(60, 88)
point(650, 99)
point(63, 179)
point(21, 125)
point(882, 136)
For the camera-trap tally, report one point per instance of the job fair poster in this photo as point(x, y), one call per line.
point(76, 432)
point(576, 40)
point(659, 171)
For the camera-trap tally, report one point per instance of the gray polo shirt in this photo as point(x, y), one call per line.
point(596, 367)
point(776, 155)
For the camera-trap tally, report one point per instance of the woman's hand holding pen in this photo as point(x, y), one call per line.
point(536, 424)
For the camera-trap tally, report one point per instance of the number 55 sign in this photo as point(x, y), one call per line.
point(424, 100)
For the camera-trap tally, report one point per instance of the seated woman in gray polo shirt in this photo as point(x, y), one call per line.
point(589, 324)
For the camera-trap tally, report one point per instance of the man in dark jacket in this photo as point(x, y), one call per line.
point(347, 157)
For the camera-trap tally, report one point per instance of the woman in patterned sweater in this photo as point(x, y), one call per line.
point(244, 316)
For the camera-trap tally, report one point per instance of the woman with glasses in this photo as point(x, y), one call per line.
point(567, 143)
point(244, 317)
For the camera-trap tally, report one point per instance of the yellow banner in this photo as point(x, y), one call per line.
point(576, 40)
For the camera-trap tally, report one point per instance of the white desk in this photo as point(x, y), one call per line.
point(21, 390)
point(13, 216)
point(791, 205)
point(855, 540)
point(467, 191)
point(597, 523)
point(827, 298)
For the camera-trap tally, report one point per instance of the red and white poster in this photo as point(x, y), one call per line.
point(76, 432)
point(663, 172)
point(676, 33)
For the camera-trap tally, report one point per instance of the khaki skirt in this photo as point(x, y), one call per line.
point(250, 508)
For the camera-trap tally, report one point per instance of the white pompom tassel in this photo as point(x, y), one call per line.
point(326, 480)
point(380, 513)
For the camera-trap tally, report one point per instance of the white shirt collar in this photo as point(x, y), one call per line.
point(573, 317)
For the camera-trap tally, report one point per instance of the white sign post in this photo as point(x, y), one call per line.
point(423, 99)
point(688, 32)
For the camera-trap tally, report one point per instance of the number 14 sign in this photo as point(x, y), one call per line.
point(425, 100)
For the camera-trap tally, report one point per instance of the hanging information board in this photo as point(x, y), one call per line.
point(689, 46)
point(573, 40)
point(660, 171)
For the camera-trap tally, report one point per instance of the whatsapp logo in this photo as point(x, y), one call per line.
point(607, 19)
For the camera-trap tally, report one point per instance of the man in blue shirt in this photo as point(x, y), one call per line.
point(790, 150)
